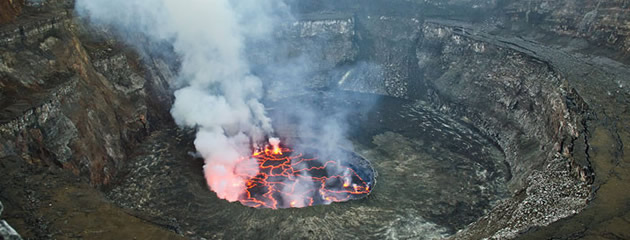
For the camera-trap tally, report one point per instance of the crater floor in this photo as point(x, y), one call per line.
point(435, 176)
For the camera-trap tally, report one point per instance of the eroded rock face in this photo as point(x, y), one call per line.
point(524, 101)
point(6, 231)
point(296, 59)
point(10, 10)
point(524, 108)
point(365, 54)
point(65, 105)
point(514, 95)
point(600, 22)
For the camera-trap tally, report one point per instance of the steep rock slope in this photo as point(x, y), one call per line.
point(602, 23)
point(10, 10)
point(72, 100)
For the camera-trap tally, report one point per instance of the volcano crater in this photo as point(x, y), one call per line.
point(436, 175)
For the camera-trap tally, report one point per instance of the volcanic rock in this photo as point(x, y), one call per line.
point(545, 81)
point(6, 231)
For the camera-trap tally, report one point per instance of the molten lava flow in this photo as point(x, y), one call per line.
point(288, 179)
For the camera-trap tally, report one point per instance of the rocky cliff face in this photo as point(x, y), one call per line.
point(10, 10)
point(527, 112)
point(71, 99)
point(536, 99)
point(603, 23)
point(6, 231)
point(72, 102)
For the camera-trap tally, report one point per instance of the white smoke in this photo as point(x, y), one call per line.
point(219, 95)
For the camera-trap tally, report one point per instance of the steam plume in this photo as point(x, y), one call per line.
point(220, 96)
point(218, 93)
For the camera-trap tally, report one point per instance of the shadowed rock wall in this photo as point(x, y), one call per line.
point(515, 96)
point(602, 23)
point(73, 101)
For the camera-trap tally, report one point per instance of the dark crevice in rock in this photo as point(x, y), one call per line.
point(587, 173)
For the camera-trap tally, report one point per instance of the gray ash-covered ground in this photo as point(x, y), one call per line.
point(435, 176)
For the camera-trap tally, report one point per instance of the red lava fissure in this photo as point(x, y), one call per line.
point(288, 179)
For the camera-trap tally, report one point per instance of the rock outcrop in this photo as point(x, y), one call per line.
point(67, 104)
point(537, 100)
point(6, 231)
point(10, 10)
point(602, 23)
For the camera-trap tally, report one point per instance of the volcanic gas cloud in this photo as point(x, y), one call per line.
point(220, 97)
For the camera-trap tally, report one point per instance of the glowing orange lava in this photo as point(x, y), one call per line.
point(288, 179)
